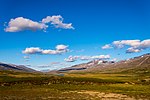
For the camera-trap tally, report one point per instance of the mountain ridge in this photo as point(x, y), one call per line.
point(13, 67)
point(137, 63)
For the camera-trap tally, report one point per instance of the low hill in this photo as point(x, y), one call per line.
point(12, 67)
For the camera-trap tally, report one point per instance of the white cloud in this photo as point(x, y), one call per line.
point(37, 50)
point(57, 21)
point(50, 52)
point(71, 58)
point(21, 24)
point(101, 57)
point(122, 43)
point(144, 44)
point(107, 46)
point(53, 52)
point(32, 50)
point(139, 47)
point(133, 45)
point(61, 47)
point(132, 50)
point(85, 57)
point(75, 58)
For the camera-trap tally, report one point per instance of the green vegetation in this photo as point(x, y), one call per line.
point(17, 85)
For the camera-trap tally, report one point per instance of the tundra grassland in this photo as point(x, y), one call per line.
point(76, 86)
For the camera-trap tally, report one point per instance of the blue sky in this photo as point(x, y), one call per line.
point(95, 23)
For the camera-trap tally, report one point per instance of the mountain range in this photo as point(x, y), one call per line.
point(140, 64)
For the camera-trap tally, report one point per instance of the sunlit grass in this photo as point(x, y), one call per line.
point(40, 86)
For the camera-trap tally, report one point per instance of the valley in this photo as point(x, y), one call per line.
point(115, 82)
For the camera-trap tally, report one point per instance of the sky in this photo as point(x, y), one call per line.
point(54, 34)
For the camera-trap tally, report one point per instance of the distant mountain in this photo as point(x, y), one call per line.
point(86, 66)
point(139, 64)
point(13, 67)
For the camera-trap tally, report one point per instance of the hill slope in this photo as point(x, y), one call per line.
point(13, 67)
point(139, 64)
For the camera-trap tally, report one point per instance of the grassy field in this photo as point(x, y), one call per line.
point(76, 86)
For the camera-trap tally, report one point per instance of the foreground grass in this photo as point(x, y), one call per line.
point(71, 86)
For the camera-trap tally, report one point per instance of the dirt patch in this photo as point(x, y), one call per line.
point(94, 95)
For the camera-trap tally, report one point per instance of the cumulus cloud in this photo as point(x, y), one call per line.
point(71, 58)
point(51, 52)
point(101, 57)
point(144, 44)
point(107, 46)
point(75, 58)
point(132, 50)
point(61, 47)
point(133, 45)
point(85, 57)
point(57, 21)
point(37, 50)
point(139, 47)
point(21, 24)
point(122, 43)
point(32, 50)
